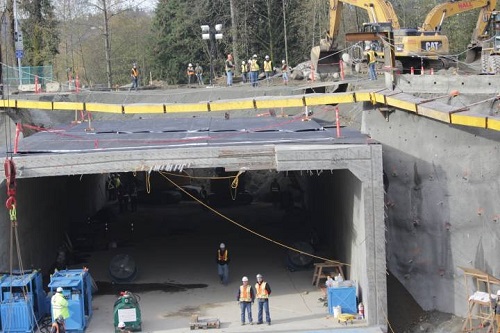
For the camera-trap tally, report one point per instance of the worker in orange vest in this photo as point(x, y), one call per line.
point(190, 73)
point(262, 290)
point(245, 299)
point(223, 264)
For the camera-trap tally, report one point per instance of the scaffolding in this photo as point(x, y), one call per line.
point(481, 302)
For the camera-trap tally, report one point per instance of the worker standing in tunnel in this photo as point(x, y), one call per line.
point(245, 298)
point(223, 264)
point(275, 193)
point(262, 290)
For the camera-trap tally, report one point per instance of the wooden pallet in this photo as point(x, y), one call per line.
point(203, 323)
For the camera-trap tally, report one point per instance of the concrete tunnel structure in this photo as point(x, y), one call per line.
point(61, 182)
point(441, 157)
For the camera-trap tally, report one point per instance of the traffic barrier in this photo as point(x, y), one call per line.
point(422, 71)
point(412, 70)
point(432, 71)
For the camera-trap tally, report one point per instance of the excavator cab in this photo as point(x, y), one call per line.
point(490, 53)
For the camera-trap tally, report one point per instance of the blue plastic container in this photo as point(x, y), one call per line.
point(77, 289)
point(345, 297)
point(22, 300)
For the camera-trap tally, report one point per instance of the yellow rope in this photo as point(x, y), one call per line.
point(246, 228)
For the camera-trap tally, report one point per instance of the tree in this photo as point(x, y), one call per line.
point(41, 38)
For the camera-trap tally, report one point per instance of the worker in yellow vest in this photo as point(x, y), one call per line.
point(254, 71)
point(262, 290)
point(268, 69)
point(245, 298)
point(59, 304)
point(371, 56)
point(244, 71)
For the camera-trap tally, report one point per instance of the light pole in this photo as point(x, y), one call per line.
point(211, 34)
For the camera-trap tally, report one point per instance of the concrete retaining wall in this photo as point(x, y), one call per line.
point(442, 204)
point(46, 208)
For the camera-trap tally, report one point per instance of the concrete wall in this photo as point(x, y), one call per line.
point(442, 204)
point(337, 203)
point(46, 208)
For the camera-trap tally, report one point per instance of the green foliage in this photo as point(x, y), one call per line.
point(39, 32)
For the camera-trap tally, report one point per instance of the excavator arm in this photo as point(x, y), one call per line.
point(435, 18)
point(378, 11)
point(483, 21)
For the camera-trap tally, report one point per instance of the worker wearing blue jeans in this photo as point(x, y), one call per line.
point(223, 264)
point(262, 290)
point(245, 298)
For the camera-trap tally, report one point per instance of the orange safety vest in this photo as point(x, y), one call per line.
point(135, 72)
point(190, 71)
point(222, 256)
point(245, 294)
point(261, 290)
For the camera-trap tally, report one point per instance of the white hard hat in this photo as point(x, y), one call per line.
point(243, 62)
point(498, 293)
point(59, 289)
point(283, 61)
point(121, 324)
point(190, 64)
point(254, 56)
point(367, 48)
point(259, 276)
point(244, 279)
point(267, 57)
point(222, 245)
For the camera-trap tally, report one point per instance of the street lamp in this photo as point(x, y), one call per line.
point(211, 34)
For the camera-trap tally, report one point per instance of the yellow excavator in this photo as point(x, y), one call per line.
point(434, 21)
point(413, 48)
point(490, 47)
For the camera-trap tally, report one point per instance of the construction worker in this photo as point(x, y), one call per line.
point(268, 68)
point(284, 71)
point(275, 193)
point(229, 64)
point(254, 71)
point(190, 73)
point(223, 264)
point(122, 327)
point(59, 304)
point(244, 71)
point(58, 325)
point(262, 290)
point(245, 298)
point(134, 74)
point(199, 74)
point(371, 56)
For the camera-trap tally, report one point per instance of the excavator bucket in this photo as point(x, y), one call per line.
point(325, 63)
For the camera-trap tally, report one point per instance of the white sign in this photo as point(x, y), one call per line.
point(127, 315)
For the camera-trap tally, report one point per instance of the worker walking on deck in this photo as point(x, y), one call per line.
point(268, 69)
point(223, 264)
point(245, 298)
point(262, 290)
point(59, 304)
point(254, 71)
point(134, 74)
point(371, 56)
